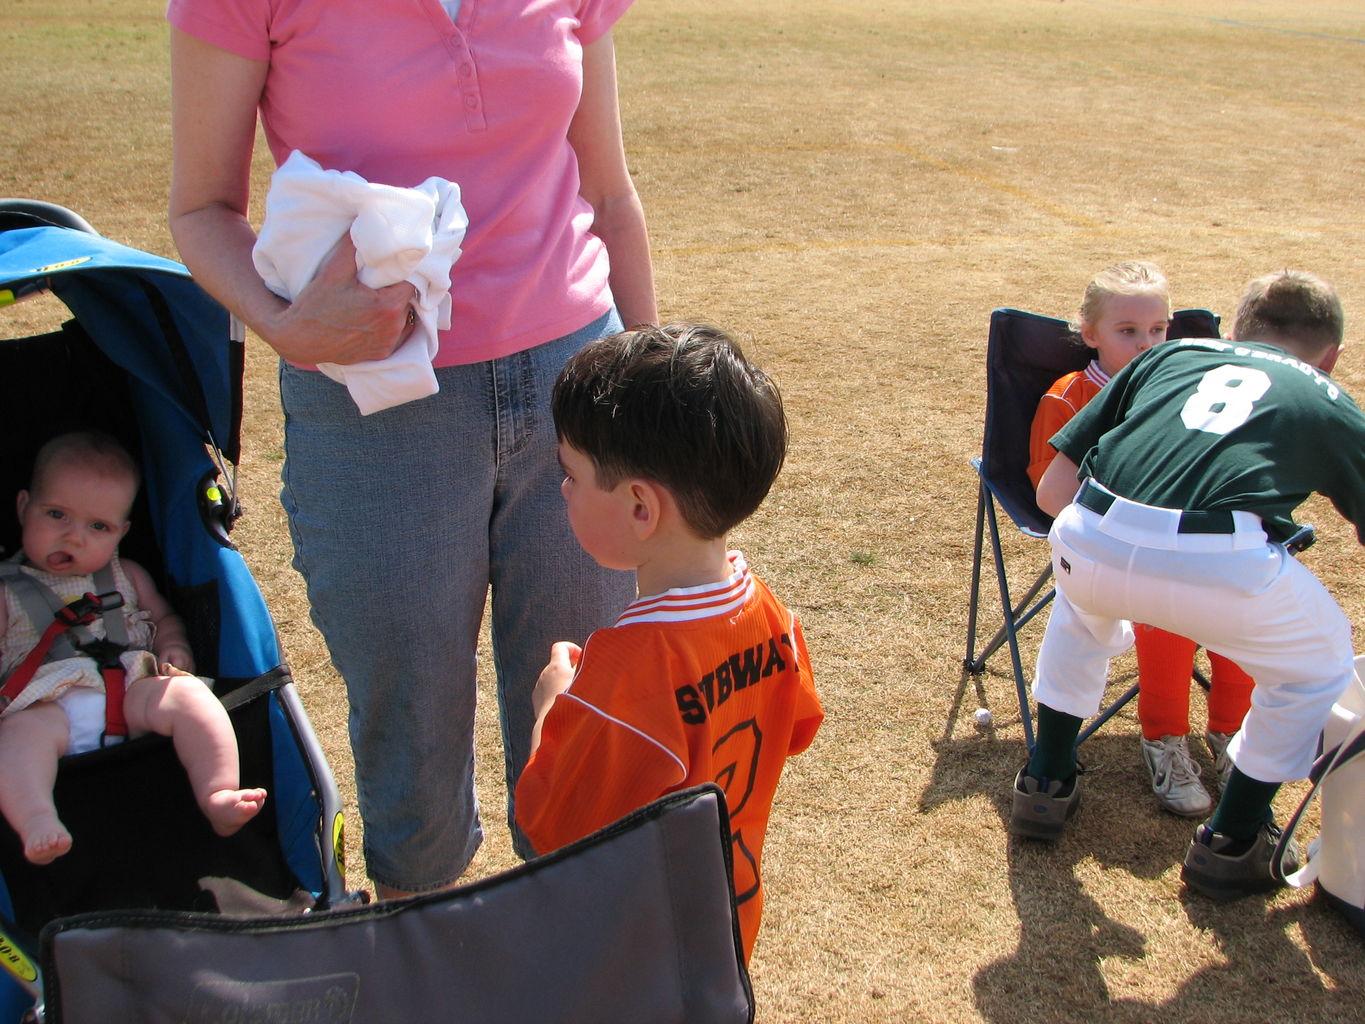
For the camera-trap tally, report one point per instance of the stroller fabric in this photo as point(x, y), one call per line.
point(147, 357)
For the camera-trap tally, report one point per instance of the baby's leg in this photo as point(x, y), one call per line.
point(183, 708)
point(31, 741)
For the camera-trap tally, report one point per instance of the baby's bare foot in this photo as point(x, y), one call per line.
point(229, 809)
point(46, 840)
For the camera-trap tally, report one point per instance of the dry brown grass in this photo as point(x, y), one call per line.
point(853, 186)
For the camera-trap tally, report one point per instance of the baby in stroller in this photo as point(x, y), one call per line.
point(73, 516)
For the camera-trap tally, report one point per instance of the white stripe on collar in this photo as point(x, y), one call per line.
point(684, 604)
point(1096, 375)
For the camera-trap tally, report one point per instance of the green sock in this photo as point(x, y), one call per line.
point(1054, 753)
point(1244, 807)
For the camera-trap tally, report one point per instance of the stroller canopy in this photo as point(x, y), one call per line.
point(145, 313)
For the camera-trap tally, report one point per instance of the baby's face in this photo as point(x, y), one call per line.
point(73, 524)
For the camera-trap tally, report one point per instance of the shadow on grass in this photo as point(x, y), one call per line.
point(1065, 936)
point(1056, 973)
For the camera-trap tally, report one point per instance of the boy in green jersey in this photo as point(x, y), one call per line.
point(1174, 492)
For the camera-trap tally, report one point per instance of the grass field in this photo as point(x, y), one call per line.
point(851, 186)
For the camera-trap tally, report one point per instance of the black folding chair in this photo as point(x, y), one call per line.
point(1025, 355)
point(636, 922)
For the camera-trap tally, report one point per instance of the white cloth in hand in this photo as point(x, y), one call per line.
point(400, 234)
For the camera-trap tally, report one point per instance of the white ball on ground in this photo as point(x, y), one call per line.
point(983, 716)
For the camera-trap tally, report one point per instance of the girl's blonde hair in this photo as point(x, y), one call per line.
point(1132, 277)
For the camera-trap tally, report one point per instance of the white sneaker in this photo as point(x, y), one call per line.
point(1175, 776)
point(1218, 747)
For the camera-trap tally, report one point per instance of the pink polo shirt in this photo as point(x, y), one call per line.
point(397, 93)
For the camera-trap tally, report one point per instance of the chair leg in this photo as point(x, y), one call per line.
point(1018, 616)
point(1014, 615)
point(1120, 702)
point(971, 663)
point(1106, 713)
point(1011, 633)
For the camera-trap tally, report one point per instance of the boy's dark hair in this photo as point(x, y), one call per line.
point(1293, 308)
point(679, 405)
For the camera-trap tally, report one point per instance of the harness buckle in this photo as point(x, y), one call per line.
point(84, 610)
point(105, 653)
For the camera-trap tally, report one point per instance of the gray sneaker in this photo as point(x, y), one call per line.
point(1218, 747)
point(1041, 812)
point(1175, 776)
point(1214, 870)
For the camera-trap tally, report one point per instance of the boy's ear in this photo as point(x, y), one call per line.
point(21, 503)
point(1328, 361)
point(649, 501)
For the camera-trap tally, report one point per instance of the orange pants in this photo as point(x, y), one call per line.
point(1165, 666)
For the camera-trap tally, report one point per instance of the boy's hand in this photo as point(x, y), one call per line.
point(556, 676)
point(554, 679)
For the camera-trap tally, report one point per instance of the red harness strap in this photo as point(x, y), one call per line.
point(114, 722)
point(80, 612)
point(24, 672)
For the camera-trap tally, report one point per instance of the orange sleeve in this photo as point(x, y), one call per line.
point(1063, 400)
point(809, 713)
point(597, 731)
point(1053, 413)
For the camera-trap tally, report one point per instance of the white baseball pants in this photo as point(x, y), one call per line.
point(1234, 593)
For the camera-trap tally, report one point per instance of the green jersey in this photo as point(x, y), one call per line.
point(1215, 425)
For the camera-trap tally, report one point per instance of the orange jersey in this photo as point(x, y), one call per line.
point(1062, 401)
point(704, 684)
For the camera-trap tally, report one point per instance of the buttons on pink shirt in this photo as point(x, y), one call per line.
point(469, 82)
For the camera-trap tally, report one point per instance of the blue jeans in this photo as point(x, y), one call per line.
point(401, 522)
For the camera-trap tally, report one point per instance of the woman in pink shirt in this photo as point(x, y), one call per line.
point(403, 519)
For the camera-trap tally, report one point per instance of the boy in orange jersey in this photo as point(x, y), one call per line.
point(669, 438)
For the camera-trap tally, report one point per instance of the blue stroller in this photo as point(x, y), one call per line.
point(147, 357)
point(635, 922)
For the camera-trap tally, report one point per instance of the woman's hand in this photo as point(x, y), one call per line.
point(336, 319)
